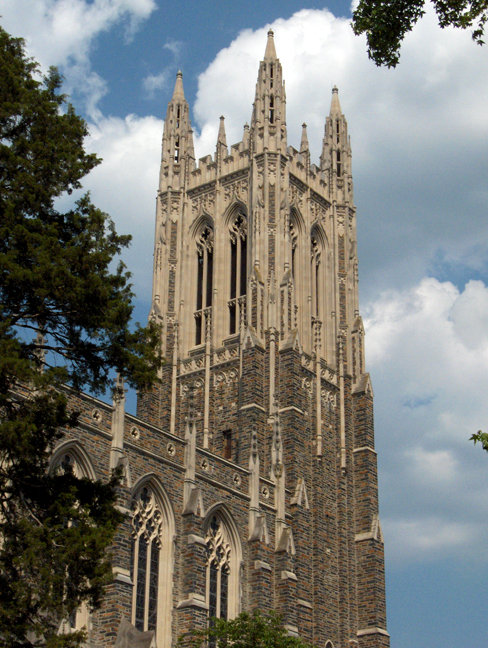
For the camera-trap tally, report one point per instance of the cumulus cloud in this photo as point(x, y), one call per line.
point(124, 185)
point(62, 32)
point(427, 351)
point(154, 82)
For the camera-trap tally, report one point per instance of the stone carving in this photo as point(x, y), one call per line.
point(236, 190)
point(203, 203)
point(225, 377)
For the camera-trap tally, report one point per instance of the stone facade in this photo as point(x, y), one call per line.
point(250, 472)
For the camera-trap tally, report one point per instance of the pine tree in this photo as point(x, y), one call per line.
point(64, 325)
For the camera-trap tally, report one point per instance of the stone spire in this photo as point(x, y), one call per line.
point(335, 106)
point(221, 140)
point(270, 53)
point(268, 123)
point(335, 159)
point(178, 92)
point(177, 148)
point(304, 141)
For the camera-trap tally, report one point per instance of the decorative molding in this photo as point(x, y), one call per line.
point(370, 631)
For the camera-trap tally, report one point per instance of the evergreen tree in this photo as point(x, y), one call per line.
point(255, 630)
point(386, 22)
point(64, 324)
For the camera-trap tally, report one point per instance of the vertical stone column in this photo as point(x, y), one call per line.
point(368, 536)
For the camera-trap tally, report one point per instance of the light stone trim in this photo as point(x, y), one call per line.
point(291, 629)
point(371, 631)
point(305, 604)
point(196, 539)
point(364, 449)
point(122, 575)
point(193, 600)
point(291, 408)
point(252, 405)
point(260, 564)
point(288, 575)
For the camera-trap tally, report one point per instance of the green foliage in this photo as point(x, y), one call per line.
point(256, 630)
point(481, 437)
point(386, 22)
point(64, 320)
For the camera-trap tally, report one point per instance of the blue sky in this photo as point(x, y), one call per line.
point(419, 137)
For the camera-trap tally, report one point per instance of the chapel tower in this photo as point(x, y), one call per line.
point(263, 422)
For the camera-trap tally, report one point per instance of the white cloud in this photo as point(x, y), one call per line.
point(154, 82)
point(430, 388)
point(61, 33)
point(432, 537)
point(174, 46)
point(125, 184)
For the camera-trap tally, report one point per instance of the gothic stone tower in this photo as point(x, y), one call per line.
point(265, 403)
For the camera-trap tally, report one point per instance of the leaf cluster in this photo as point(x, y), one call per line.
point(480, 437)
point(248, 630)
point(386, 22)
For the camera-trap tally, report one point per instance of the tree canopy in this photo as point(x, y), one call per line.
point(248, 630)
point(65, 310)
point(386, 22)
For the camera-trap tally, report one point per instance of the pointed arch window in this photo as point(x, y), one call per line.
point(218, 569)
point(147, 530)
point(271, 109)
point(238, 270)
point(294, 245)
point(315, 250)
point(204, 280)
point(339, 164)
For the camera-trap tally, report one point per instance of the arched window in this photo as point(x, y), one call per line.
point(339, 166)
point(315, 250)
point(147, 522)
point(238, 270)
point(223, 566)
point(218, 568)
point(294, 244)
point(152, 561)
point(204, 280)
point(271, 109)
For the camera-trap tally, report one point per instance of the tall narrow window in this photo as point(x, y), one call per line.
point(204, 281)
point(315, 276)
point(271, 109)
point(177, 149)
point(227, 444)
point(147, 522)
point(337, 130)
point(238, 271)
point(293, 240)
point(218, 568)
point(339, 166)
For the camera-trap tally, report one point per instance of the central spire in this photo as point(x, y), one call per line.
point(268, 124)
point(270, 52)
